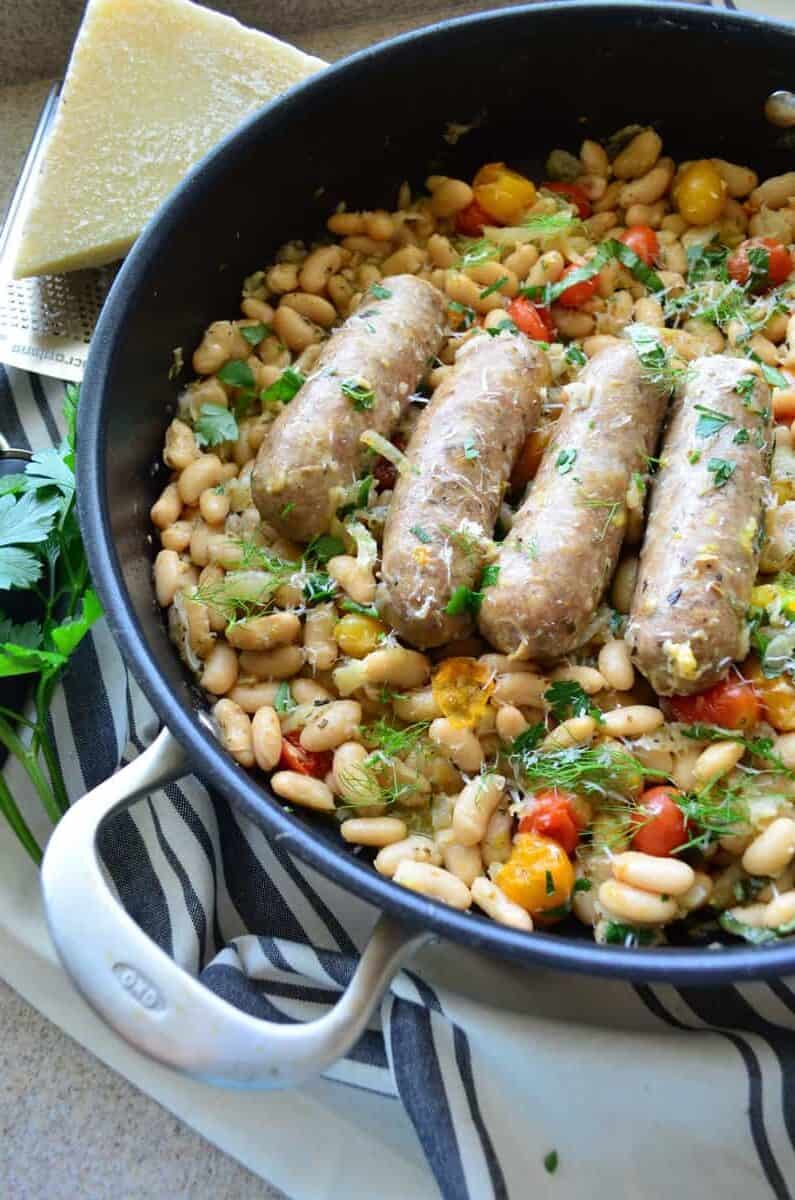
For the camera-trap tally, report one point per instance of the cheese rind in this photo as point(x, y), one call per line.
point(151, 86)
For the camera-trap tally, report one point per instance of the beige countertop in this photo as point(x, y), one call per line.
point(71, 1128)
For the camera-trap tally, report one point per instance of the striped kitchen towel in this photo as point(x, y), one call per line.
point(645, 1089)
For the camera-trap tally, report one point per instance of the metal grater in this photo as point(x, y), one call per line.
point(46, 323)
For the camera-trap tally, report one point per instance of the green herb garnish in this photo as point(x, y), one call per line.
point(493, 287)
point(710, 421)
point(324, 547)
point(477, 253)
point(568, 699)
point(254, 334)
point(741, 437)
point(214, 425)
point(380, 292)
point(284, 389)
point(565, 461)
point(420, 534)
point(237, 373)
point(618, 934)
point(362, 395)
point(551, 1162)
point(471, 451)
point(465, 311)
point(721, 470)
point(283, 701)
point(318, 587)
point(575, 355)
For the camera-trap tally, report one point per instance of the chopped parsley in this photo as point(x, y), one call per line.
point(214, 425)
point(317, 587)
point(758, 267)
point(285, 387)
point(710, 421)
point(360, 498)
point(618, 934)
point(575, 355)
point(470, 449)
point(551, 1162)
point(565, 461)
point(380, 292)
point(493, 287)
point(693, 457)
point(549, 883)
point(609, 251)
point(254, 334)
point(745, 386)
point(360, 392)
point(364, 610)
point(490, 575)
point(721, 471)
point(774, 377)
point(420, 534)
point(581, 885)
point(465, 599)
point(237, 374)
point(283, 701)
point(741, 437)
point(288, 508)
point(324, 547)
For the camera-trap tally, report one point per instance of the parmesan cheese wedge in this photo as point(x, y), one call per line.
point(151, 86)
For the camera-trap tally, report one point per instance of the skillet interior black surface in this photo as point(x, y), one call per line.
point(530, 79)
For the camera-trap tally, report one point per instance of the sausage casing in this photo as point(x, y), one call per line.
point(312, 449)
point(705, 528)
point(557, 560)
point(441, 520)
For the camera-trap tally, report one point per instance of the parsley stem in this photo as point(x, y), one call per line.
point(44, 695)
point(9, 809)
point(29, 760)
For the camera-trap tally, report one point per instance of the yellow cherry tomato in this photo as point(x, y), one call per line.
point(357, 634)
point(538, 875)
point(699, 193)
point(777, 696)
point(462, 688)
point(502, 193)
point(768, 593)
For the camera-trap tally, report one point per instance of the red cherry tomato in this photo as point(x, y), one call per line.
point(643, 240)
point(578, 293)
point(306, 762)
point(779, 263)
point(554, 815)
point(532, 319)
point(573, 193)
point(732, 704)
point(660, 824)
point(470, 220)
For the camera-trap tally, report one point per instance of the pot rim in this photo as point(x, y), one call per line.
point(254, 800)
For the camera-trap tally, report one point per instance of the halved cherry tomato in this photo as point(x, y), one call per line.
point(529, 459)
point(578, 293)
point(643, 240)
point(538, 875)
point(660, 824)
point(306, 762)
point(573, 193)
point(470, 220)
point(779, 263)
point(732, 703)
point(532, 319)
point(554, 815)
point(777, 697)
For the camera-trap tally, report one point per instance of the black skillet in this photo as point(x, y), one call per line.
point(526, 79)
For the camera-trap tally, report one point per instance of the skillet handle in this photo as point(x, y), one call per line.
point(161, 1009)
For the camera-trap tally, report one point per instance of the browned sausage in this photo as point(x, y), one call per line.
point(701, 551)
point(441, 520)
point(561, 552)
point(312, 449)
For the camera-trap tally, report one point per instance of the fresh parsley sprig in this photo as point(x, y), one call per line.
point(42, 553)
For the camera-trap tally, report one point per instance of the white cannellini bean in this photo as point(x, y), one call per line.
point(331, 725)
point(498, 906)
point(496, 844)
point(474, 807)
point(461, 746)
point(303, 790)
point(698, 894)
point(574, 732)
point(396, 665)
point(667, 876)
point(615, 665)
point(464, 862)
point(434, 882)
point(772, 850)
point(590, 680)
point(717, 760)
point(373, 831)
point(635, 905)
point(780, 911)
point(234, 728)
point(520, 688)
point(510, 722)
point(414, 848)
point(266, 737)
point(635, 720)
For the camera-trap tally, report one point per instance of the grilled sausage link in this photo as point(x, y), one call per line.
point(561, 552)
point(441, 520)
point(701, 551)
point(313, 448)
